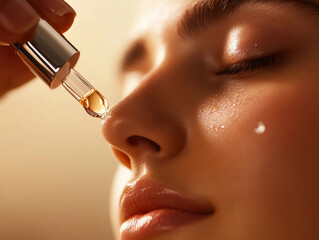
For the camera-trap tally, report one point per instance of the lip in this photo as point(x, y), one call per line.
point(149, 209)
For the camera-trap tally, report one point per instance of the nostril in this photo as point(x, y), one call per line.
point(137, 140)
point(122, 157)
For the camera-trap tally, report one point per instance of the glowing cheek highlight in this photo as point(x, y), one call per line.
point(217, 116)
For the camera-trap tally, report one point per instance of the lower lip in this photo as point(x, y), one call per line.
point(156, 222)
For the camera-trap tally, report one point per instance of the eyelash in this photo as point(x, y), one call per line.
point(251, 65)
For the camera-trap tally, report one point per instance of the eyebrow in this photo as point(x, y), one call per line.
point(207, 12)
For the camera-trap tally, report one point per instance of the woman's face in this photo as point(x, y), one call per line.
point(219, 127)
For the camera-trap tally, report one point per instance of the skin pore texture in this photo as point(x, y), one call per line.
point(193, 104)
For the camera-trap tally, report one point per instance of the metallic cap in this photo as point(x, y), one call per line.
point(49, 55)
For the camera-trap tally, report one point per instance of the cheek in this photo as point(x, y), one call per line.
point(268, 120)
point(291, 117)
point(283, 154)
point(253, 173)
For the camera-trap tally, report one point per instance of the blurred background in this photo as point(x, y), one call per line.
point(55, 167)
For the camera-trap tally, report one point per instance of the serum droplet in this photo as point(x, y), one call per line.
point(260, 129)
point(95, 104)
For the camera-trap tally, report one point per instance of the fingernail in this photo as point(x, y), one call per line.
point(17, 17)
point(57, 7)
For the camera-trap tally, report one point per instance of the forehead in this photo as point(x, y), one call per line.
point(155, 14)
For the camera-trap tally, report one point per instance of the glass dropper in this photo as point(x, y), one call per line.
point(92, 100)
point(52, 58)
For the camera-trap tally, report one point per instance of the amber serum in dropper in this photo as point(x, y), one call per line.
point(92, 100)
point(52, 58)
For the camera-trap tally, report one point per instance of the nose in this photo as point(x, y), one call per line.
point(144, 127)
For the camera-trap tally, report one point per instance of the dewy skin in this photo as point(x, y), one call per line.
point(52, 58)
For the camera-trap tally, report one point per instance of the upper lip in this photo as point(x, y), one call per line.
point(143, 196)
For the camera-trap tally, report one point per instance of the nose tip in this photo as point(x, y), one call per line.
point(137, 133)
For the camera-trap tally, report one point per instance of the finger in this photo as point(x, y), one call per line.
point(13, 72)
point(18, 20)
point(57, 12)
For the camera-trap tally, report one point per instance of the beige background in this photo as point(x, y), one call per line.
point(55, 167)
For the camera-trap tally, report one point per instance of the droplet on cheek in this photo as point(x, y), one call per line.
point(260, 129)
point(217, 129)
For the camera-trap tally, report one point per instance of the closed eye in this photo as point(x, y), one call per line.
point(251, 65)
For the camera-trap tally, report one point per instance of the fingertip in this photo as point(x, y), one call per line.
point(62, 24)
point(58, 13)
